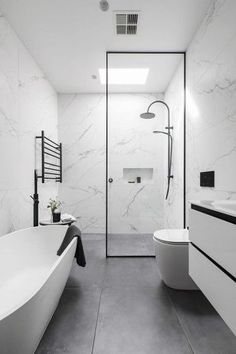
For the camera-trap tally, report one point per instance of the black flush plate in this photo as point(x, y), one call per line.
point(207, 179)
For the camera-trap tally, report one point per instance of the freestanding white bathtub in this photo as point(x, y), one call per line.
point(32, 278)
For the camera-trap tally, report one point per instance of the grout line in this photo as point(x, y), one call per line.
point(99, 304)
point(95, 331)
point(180, 322)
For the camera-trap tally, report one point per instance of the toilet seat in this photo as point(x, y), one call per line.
point(172, 236)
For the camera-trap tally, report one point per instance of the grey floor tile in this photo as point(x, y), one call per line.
point(148, 239)
point(205, 329)
point(93, 274)
point(72, 327)
point(130, 244)
point(138, 321)
point(123, 272)
point(137, 313)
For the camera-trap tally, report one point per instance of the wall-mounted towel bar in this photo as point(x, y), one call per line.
point(51, 168)
point(51, 153)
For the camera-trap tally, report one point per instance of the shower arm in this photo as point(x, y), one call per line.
point(169, 127)
point(168, 111)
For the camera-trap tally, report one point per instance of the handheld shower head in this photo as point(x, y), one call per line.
point(161, 132)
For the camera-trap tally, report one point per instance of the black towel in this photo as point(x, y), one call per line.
point(72, 232)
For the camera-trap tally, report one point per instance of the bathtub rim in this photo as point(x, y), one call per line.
point(34, 293)
point(53, 227)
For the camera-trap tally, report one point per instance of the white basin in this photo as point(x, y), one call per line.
point(228, 206)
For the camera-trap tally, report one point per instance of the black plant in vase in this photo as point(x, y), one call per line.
point(54, 205)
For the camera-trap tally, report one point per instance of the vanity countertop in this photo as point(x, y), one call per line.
point(226, 207)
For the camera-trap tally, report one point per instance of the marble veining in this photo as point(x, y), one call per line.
point(132, 201)
point(174, 97)
point(132, 207)
point(28, 105)
point(211, 107)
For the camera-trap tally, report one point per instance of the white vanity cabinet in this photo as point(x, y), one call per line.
point(212, 258)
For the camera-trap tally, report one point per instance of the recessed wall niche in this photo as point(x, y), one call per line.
point(138, 175)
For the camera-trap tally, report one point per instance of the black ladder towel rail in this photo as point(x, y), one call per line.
point(51, 168)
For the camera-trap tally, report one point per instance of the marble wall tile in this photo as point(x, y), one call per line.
point(211, 138)
point(174, 97)
point(132, 144)
point(132, 207)
point(28, 105)
point(82, 132)
point(211, 104)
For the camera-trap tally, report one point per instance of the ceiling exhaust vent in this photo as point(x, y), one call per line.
point(126, 22)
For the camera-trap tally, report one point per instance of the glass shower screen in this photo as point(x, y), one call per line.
point(137, 158)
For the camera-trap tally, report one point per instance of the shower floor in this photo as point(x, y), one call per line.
point(130, 245)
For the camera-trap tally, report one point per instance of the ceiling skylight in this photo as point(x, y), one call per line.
point(124, 76)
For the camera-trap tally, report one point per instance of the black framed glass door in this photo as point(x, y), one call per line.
point(136, 159)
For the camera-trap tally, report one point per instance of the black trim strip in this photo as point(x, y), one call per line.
point(184, 145)
point(215, 213)
point(215, 263)
point(143, 52)
point(131, 256)
point(107, 136)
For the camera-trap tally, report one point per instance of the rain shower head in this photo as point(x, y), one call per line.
point(147, 115)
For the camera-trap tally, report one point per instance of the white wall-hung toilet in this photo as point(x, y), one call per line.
point(171, 248)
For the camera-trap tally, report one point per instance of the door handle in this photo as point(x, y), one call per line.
point(110, 180)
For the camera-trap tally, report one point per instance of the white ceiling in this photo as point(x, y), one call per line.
point(68, 38)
